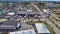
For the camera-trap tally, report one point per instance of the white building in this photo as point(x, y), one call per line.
point(41, 28)
point(30, 31)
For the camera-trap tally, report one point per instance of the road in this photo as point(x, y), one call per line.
point(53, 15)
point(56, 30)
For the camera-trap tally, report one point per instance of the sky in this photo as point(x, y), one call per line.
point(29, 0)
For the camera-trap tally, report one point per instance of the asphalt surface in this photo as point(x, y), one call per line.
point(54, 15)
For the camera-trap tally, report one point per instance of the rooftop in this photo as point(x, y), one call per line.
point(8, 24)
point(27, 12)
point(30, 31)
point(41, 28)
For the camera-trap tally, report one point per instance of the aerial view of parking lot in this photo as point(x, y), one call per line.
point(29, 17)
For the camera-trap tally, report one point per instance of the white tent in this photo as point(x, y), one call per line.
point(30, 31)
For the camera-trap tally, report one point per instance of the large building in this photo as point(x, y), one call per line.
point(41, 28)
point(30, 31)
point(9, 26)
point(28, 13)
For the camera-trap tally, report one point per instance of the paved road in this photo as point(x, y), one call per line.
point(54, 15)
point(56, 30)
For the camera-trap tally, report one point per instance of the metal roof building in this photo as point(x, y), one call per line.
point(30, 31)
point(27, 12)
point(41, 28)
point(9, 25)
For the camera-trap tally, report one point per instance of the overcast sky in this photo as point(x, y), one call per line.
point(29, 0)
